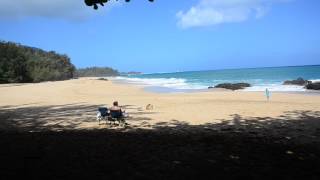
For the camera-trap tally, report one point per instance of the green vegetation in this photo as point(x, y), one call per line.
point(96, 72)
point(20, 64)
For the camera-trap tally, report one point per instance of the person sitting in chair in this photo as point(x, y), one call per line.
point(116, 111)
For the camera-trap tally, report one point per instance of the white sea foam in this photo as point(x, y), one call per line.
point(315, 80)
point(182, 84)
point(174, 83)
point(279, 87)
point(276, 87)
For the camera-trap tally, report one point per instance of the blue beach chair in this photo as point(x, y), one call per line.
point(102, 114)
point(117, 115)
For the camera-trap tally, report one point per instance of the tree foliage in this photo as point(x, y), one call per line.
point(96, 72)
point(20, 64)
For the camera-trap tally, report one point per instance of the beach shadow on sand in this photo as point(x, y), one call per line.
point(286, 147)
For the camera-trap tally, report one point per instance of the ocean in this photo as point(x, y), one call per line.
point(260, 78)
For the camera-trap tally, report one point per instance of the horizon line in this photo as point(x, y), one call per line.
point(264, 67)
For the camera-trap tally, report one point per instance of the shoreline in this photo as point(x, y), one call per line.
point(167, 90)
point(259, 78)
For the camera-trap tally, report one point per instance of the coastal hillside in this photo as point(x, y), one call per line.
point(22, 64)
point(96, 72)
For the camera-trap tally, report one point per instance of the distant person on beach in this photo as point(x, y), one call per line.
point(267, 94)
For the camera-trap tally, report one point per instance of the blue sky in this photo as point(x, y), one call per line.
point(167, 35)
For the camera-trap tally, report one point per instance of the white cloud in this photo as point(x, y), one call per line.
point(213, 12)
point(64, 9)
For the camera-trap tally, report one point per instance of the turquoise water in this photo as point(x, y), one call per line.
point(259, 78)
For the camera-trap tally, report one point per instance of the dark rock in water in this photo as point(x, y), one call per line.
point(300, 82)
point(210, 87)
point(234, 86)
point(314, 86)
point(103, 79)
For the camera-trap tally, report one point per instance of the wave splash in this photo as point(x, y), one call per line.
point(174, 83)
point(183, 84)
point(276, 87)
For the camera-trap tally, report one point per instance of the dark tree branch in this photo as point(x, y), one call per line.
point(95, 3)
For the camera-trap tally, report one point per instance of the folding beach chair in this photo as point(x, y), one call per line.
point(117, 115)
point(102, 114)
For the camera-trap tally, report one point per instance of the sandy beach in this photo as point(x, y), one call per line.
point(73, 104)
point(49, 130)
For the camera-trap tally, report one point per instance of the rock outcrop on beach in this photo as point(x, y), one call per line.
point(313, 86)
point(235, 86)
point(103, 79)
point(300, 82)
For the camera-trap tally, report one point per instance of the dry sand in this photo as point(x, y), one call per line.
point(73, 104)
point(218, 134)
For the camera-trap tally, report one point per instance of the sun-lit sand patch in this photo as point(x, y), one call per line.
point(73, 104)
